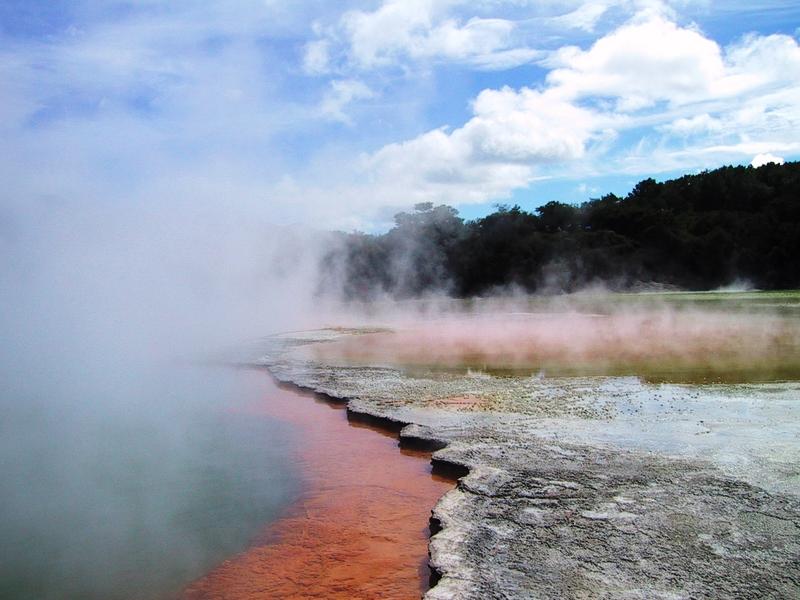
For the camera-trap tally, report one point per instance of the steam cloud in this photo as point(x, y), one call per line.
point(126, 472)
point(594, 333)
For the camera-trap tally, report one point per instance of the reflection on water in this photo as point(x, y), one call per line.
point(762, 372)
point(132, 493)
point(658, 345)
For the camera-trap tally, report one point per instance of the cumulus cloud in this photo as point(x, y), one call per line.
point(759, 160)
point(762, 60)
point(643, 63)
point(171, 100)
point(673, 86)
point(495, 152)
point(528, 126)
point(640, 64)
point(441, 167)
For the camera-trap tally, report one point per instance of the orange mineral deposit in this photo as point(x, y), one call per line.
point(359, 530)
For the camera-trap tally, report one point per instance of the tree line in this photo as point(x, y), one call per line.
point(697, 232)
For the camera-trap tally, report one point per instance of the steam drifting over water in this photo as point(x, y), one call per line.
point(127, 469)
point(148, 149)
point(596, 334)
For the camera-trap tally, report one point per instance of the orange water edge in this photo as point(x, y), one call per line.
point(359, 530)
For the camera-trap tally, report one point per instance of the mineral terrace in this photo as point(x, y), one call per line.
point(589, 487)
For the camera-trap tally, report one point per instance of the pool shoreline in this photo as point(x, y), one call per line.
point(549, 490)
point(331, 541)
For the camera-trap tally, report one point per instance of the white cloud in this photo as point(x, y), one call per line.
point(495, 152)
point(676, 89)
point(340, 94)
point(764, 60)
point(421, 30)
point(469, 32)
point(696, 125)
point(527, 126)
point(640, 64)
point(646, 62)
point(485, 43)
point(439, 167)
point(759, 160)
point(191, 102)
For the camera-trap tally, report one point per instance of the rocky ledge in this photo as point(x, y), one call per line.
point(590, 487)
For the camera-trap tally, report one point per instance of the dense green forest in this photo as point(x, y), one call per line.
point(697, 232)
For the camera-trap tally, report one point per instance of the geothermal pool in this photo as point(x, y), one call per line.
point(114, 491)
point(665, 474)
point(211, 483)
point(658, 345)
point(360, 528)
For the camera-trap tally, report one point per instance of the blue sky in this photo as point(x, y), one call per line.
point(341, 114)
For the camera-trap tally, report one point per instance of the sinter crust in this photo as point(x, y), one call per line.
point(540, 517)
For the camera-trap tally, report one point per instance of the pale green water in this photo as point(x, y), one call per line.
point(134, 493)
